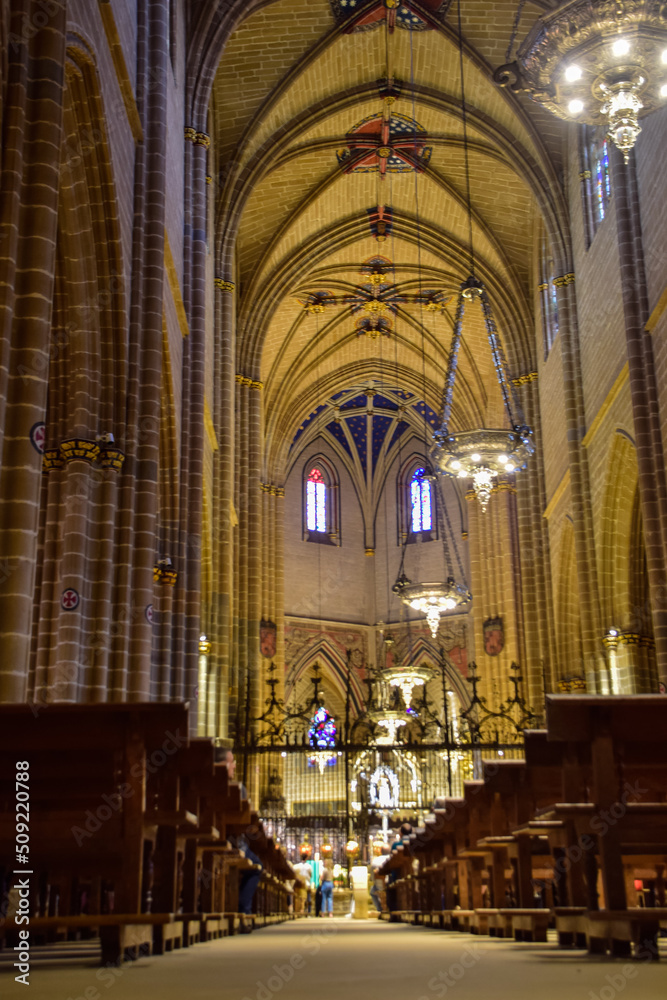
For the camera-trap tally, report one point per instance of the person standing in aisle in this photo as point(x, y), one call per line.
point(327, 892)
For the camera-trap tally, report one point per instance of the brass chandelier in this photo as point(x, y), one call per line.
point(596, 62)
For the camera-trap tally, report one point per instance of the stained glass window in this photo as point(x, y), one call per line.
point(322, 732)
point(548, 297)
point(421, 518)
point(322, 735)
point(596, 179)
point(602, 182)
point(316, 501)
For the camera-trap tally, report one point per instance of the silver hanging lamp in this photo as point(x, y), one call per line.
point(482, 453)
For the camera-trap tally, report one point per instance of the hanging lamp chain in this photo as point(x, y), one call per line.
point(443, 515)
point(452, 362)
point(510, 397)
point(464, 119)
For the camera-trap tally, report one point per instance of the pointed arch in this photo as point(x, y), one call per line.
point(331, 658)
point(321, 501)
point(567, 614)
point(617, 517)
point(416, 501)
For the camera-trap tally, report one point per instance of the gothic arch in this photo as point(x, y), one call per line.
point(568, 624)
point(85, 425)
point(333, 662)
point(618, 520)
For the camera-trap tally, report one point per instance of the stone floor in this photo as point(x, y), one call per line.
point(342, 959)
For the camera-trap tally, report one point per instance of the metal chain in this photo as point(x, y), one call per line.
point(450, 377)
point(508, 54)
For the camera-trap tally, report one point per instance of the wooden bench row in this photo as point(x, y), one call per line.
point(581, 819)
point(133, 824)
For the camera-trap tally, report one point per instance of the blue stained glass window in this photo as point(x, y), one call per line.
point(553, 311)
point(322, 732)
point(322, 735)
point(601, 178)
point(421, 502)
point(316, 501)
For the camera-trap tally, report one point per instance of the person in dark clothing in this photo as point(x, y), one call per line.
point(250, 877)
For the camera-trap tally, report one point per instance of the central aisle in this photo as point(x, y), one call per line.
point(348, 960)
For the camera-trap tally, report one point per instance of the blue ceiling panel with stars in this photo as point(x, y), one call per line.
point(381, 425)
point(401, 427)
point(357, 426)
point(308, 421)
point(337, 432)
point(368, 420)
point(358, 403)
point(425, 411)
point(382, 403)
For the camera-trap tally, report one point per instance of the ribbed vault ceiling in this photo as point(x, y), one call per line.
point(293, 224)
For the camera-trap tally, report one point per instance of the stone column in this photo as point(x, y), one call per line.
point(30, 164)
point(256, 530)
point(643, 395)
point(580, 493)
point(534, 555)
point(131, 671)
point(493, 579)
point(221, 658)
point(187, 617)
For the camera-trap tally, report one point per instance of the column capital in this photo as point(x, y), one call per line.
point(223, 285)
point(525, 379)
point(250, 383)
point(564, 279)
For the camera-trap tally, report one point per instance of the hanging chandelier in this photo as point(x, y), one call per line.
point(432, 599)
point(406, 678)
point(484, 453)
point(481, 453)
point(391, 720)
point(596, 62)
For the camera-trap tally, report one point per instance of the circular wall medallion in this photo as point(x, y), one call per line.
point(70, 599)
point(38, 436)
point(149, 612)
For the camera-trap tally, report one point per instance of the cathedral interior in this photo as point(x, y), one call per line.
point(332, 392)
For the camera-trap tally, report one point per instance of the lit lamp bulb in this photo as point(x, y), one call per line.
point(663, 90)
point(573, 73)
point(622, 110)
point(575, 107)
point(503, 459)
point(621, 47)
point(475, 457)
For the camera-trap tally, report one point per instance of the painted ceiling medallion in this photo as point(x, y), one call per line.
point(397, 13)
point(377, 296)
point(380, 220)
point(393, 145)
